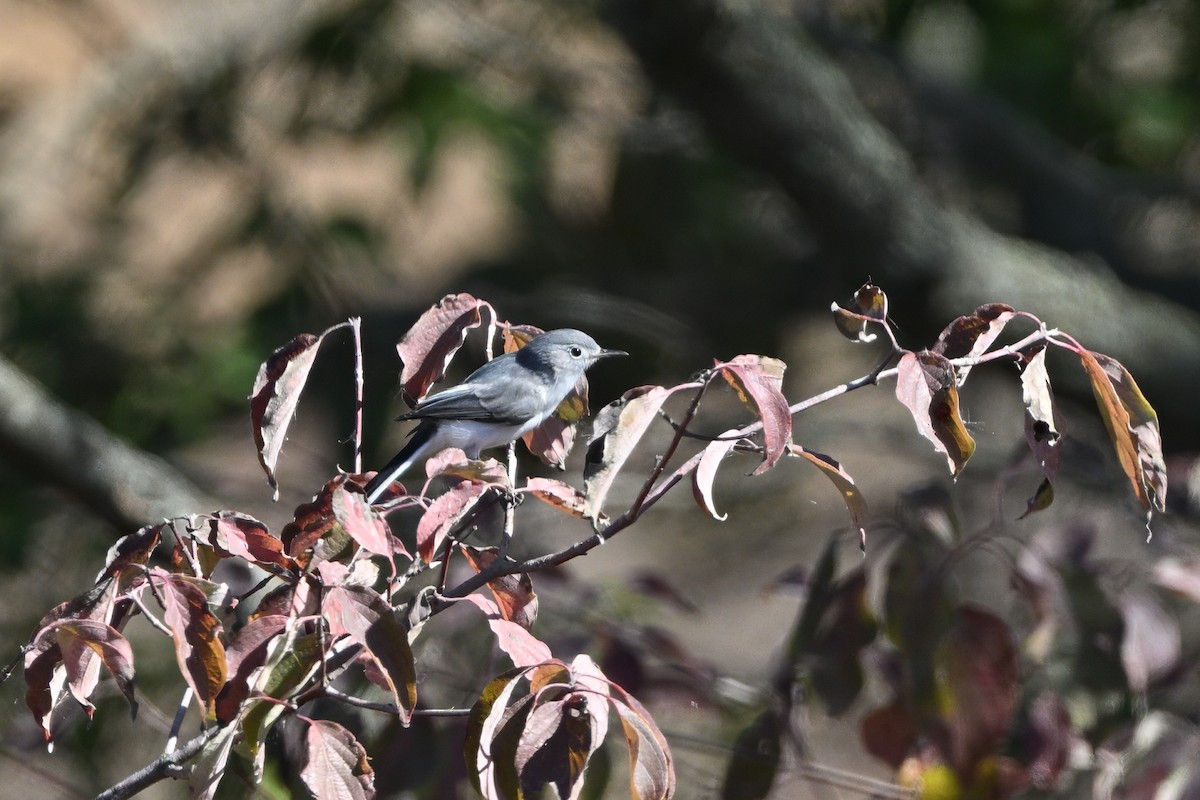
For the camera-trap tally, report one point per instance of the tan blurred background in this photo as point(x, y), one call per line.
point(185, 185)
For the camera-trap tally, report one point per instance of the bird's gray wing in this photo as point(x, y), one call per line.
point(484, 397)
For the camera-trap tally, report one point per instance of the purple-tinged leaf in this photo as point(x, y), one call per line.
point(84, 644)
point(335, 763)
point(365, 616)
point(244, 537)
point(758, 381)
point(1181, 576)
point(619, 427)
point(706, 472)
point(1151, 645)
point(364, 524)
point(926, 386)
point(489, 755)
point(444, 514)
point(851, 496)
point(554, 747)
point(979, 664)
point(972, 335)
point(433, 340)
point(247, 652)
point(276, 394)
point(520, 645)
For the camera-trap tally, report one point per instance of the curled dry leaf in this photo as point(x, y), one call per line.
point(706, 472)
point(856, 504)
point(758, 381)
point(75, 648)
point(335, 763)
point(275, 395)
point(926, 386)
point(433, 340)
point(1132, 425)
point(971, 336)
point(1043, 430)
point(869, 307)
point(619, 427)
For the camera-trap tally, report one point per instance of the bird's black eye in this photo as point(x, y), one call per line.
point(575, 352)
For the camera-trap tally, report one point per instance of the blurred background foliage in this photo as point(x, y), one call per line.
point(184, 186)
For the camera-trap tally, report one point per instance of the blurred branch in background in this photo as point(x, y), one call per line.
point(44, 441)
point(769, 96)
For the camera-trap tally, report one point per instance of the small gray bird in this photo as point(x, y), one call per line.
point(498, 403)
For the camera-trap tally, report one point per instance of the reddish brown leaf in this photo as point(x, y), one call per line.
point(560, 495)
point(554, 747)
point(1132, 425)
point(1042, 426)
point(335, 763)
point(315, 531)
point(706, 472)
point(454, 463)
point(367, 618)
point(196, 632)
point(245, 537)
point(520, 645)
point(888, 734)
point(433, 340)
point(275, 395)
point(1047, 741)
point(758, 381)
point(978, 703)
point(444, 513)
point(851, 496)
point(80, 646)
point(972, 335)
point(131, 551)
point(247, 652)
point(619, 427)
point(869, 306)
point(514, 593)
point(926, 386)
point(364, 524)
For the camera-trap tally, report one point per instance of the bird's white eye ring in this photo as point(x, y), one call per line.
point(576, 352)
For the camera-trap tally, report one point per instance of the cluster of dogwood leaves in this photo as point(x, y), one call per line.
point(334, 598)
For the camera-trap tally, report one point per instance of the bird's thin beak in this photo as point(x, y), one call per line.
point(609, 353)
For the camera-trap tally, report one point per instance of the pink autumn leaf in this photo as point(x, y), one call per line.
point(519, 644)
point(335, 763)
point(758, 381)
point(433, 340)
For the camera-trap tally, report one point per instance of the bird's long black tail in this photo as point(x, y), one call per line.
point(401, 462)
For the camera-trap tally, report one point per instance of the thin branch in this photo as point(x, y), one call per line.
point(356, 327)
point(165, 766)
point(177, 723)
point(664, 459)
